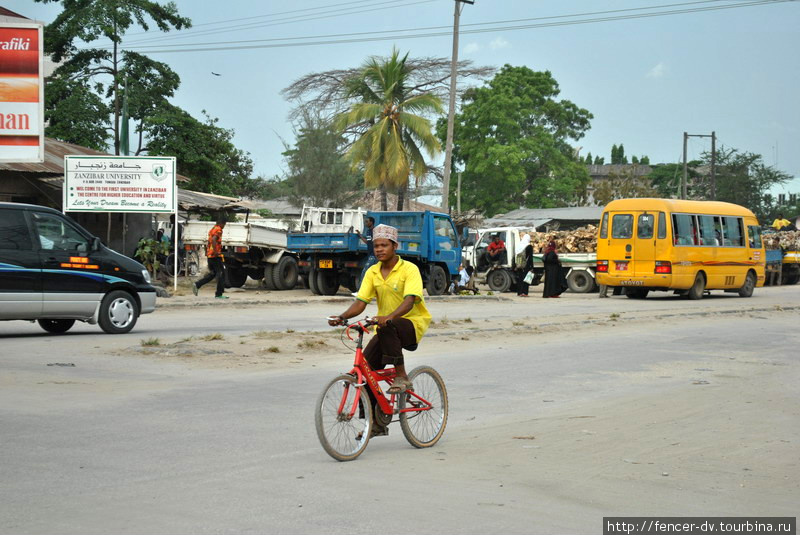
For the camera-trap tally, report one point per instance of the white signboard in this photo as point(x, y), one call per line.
point(119, 184)
point(21, 93)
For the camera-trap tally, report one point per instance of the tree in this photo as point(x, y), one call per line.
point(741, 178)
point(618, 155)
point(395, 131)
point(204, 152)
point(599, 160)
point(511, 139)
point(318, 173)
point(89, 20)
point(76, 114)
point(588, 160)
point(666, 178)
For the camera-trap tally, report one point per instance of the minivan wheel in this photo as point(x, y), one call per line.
point(697, 289)
point(56, 326)
point(118, 312)
point(749, 284)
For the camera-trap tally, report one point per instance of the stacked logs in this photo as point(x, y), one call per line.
point(582, 240)
point(787, 240)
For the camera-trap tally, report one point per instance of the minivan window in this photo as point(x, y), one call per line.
point(755, 236)
point(662, 226)
point(14, 231)
point(622, 226)
point(733, 231)
point(708, 234)
point(644, 227)
point(683, 229)
point(56, 234)
point(604, 227)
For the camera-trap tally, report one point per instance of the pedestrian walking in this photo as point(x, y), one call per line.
point(525, 265)
point(216, 261)
point(553, 279)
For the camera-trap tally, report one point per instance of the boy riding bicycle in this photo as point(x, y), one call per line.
point(402, 317)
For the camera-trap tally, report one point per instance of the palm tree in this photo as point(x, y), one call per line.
point(390, 124)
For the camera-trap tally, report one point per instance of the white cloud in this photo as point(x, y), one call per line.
point(471, 48)
point(658, 71)
point(499, 43)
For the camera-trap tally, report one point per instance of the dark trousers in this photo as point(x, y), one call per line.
point(387, 346)
point(216, 269)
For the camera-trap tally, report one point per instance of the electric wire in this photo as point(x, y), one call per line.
point(323, 40)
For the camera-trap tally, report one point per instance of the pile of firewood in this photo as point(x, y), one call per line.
point(788, 240)
point(582, 240)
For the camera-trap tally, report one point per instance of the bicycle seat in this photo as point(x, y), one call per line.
point(412, 347)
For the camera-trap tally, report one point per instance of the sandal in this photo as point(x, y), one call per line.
point(400, 385)
point(376, 431)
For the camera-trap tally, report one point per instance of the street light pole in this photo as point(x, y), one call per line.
point(448, 151)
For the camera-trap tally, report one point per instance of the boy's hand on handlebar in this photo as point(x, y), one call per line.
point(381, 321)
point(335, 321)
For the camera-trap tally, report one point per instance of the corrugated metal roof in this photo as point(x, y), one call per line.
point(4, 12)
point(54, 152)
point(194, 200)
point(536, 217)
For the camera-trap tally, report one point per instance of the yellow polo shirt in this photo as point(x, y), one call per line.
point(780, 223)
point(404, 280)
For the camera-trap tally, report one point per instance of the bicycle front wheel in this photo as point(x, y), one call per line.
point(343, 418)
point(424, 428)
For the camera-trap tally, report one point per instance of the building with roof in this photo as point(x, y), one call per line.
point(545, 219)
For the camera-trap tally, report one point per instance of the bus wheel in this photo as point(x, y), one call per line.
point(697, 289)
point(749, 284)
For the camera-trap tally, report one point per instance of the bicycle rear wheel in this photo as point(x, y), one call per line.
point(344, 437)
point(423, 429)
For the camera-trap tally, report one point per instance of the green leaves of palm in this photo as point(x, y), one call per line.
point(394, 130)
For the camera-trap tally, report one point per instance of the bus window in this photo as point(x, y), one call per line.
point(733, 231)
point(622, 226)
point(644, 227)
point(683, 229)
point(662, 226)
point(755, 236)
point(707, 235)
point(604, 227)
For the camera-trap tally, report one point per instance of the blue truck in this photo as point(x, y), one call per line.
point(328, 260)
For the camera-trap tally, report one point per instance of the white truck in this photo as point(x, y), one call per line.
point(250, 249)
point(501, 277)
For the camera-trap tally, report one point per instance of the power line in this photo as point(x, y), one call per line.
point(325, 40)
point(188, 34)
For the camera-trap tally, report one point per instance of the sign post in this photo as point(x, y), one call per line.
point(21, 92)
point(140, 184)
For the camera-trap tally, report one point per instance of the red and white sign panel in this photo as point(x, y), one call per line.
point(21, 93)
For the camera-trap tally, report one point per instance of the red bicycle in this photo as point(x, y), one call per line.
point(344, 412)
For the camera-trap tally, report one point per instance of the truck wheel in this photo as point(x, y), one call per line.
point(580, 281)
point(236, 276)
point(312, 282)
point(437, 281)
point(56, 326)
point(267, 280)
point(791, 275)
point(499, 280)
point(749, 284)
point(256, 273)
point(697, 289)
point(284, 273)
point(327, 282)
point(118, 312)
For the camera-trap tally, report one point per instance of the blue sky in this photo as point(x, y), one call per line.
point(646, 80)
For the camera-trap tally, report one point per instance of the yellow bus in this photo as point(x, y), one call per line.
point(688, 247)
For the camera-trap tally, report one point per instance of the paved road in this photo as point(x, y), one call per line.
point(657, 411)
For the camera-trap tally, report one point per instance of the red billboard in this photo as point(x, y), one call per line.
point(21, 93)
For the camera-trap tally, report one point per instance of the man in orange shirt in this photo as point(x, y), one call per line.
point(215, 261)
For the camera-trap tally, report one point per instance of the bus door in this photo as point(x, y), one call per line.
point(644, 243)
point(621, 261)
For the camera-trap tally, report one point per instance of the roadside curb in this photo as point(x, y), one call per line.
point(202, 302)
point(596, 321)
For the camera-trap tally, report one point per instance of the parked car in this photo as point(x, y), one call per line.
point(55, 272)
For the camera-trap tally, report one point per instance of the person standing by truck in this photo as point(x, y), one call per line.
point(216, 260)
point(369, 223)
point(553, 285)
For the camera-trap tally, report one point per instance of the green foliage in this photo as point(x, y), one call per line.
point(599, 160)
point(204, 151)
point(666, 178)
point(511, 138)
point(394, 129)
point(148, 252)
point(317, 172)
point(742, 178)
point(86, 21)
point(75, 113)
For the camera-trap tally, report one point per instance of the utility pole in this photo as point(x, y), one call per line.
point(448, 151)
point(684, 187)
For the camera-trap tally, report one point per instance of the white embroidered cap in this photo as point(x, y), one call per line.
point(385, 232)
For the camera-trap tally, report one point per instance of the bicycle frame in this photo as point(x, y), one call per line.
point(365, 375)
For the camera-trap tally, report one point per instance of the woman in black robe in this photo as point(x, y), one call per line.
point(552, 272)
point(522, 286)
